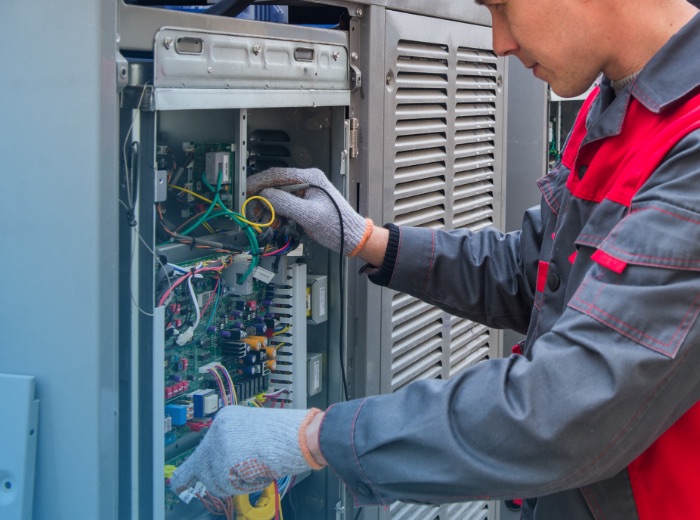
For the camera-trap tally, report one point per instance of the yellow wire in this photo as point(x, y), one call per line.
point(269, 205)
point(255, 226)
point(194, 194)
point(221, 381)
point(284, 330)
point(208, 227)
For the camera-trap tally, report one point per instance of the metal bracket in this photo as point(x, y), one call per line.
point(355, 77)
point(161, 186)
point(122, 72)
point(139, 97)
point(18, 438)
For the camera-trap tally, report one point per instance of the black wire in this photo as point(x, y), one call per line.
point(229, 7)
point(341, 277)
point(357, 515)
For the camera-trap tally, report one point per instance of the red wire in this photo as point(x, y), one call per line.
point(280, 249)
point(211, 296)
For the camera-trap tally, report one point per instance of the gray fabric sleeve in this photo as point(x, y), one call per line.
point(488, 277)
point(614, 372)
point(588, 402)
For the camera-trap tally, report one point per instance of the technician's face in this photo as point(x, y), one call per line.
point(550, 38)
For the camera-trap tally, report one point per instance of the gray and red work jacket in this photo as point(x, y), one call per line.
point(597, 417)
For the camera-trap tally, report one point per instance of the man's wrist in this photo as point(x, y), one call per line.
point(375, 247)
point(310, 444)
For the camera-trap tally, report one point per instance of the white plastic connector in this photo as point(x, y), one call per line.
point(185, 337)
point(205, 368)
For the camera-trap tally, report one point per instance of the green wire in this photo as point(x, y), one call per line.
point(216, 200)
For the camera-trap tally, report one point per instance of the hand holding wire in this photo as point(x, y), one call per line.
point(308, 197)
point(246, 449)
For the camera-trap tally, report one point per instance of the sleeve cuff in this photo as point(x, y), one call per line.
point(382, 275)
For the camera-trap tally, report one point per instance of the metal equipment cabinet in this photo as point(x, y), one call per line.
point(412, 127)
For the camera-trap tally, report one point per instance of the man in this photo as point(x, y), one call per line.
point(597, 417)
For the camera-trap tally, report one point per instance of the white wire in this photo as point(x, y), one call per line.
point(229, 381)
point(194, 301)
point(133, 251)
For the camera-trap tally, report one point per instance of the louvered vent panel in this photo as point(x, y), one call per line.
point(421, 127)
point(475, 138)
point(401, 511)
point(465, 511)
point(444, 160)
point(469, 344)
point(416, 341)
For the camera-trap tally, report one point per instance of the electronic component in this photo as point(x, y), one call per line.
point(178, 413)
point(316, 298)
point(218, 166)
point(239, 344)
point(314, 373)
point(206, 402)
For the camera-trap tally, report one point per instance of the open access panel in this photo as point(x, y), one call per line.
point(226, 306)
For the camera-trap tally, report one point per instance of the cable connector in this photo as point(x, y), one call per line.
point(209, 366)
point(185, 337)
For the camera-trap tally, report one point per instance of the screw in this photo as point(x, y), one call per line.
point(388, 79)
point(256, 49)
point(354, 56)
point(336, 55)
point(210, 70)
point(499, 80)
point(168, 42)
point(359, 12)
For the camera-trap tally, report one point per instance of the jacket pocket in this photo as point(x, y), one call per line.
point(644, 280)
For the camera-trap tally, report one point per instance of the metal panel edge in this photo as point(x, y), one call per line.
point(197, 99)
point(18, 439)
point(138, 26)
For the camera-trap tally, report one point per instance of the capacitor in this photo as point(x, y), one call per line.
point(253, 342)
point(249, 370)
point(271, 364)
point(261, 339)
point(260, 329)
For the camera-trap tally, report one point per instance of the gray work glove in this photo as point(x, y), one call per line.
point(246, 449)
point(312, 208)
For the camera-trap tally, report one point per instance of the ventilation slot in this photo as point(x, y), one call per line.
point(467, 511)
point(402, 511)
point(421, 134)
point(469, 344)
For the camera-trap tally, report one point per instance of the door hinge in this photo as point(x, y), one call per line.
point(354, 132)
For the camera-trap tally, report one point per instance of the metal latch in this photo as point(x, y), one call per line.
point(355, 77)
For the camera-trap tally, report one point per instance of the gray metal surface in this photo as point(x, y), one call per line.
point(439, 88)
point(18, 438)
point(138, 27)
point(58, 120)
point(229, 61)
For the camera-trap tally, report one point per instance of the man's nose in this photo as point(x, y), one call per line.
point(503, 42)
